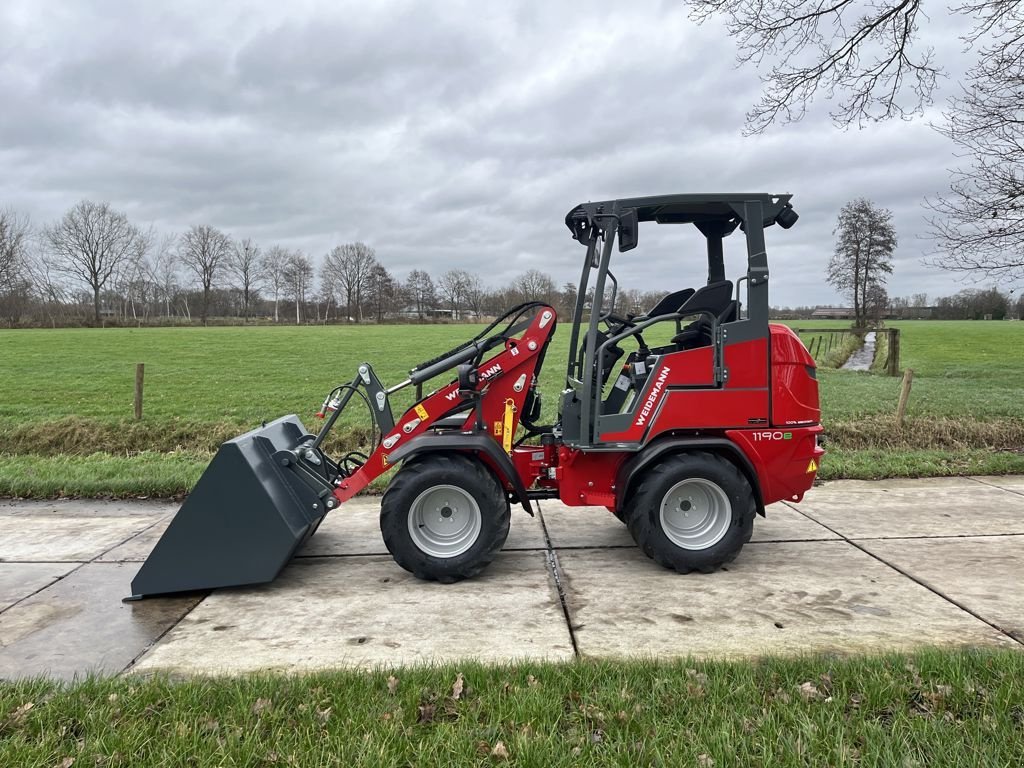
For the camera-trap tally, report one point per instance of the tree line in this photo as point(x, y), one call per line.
point(94, 266)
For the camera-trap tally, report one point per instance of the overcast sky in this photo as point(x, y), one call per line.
point(443, 134)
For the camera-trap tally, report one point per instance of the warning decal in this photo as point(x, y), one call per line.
point(812, 467)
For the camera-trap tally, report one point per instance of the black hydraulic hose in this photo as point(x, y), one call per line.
point(349, 391)
point(519, 308)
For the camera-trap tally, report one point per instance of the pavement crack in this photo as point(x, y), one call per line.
point(1006, 632)
point(556, 573)
point(987, 484)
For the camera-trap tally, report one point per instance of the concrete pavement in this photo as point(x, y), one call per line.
point(858, 566)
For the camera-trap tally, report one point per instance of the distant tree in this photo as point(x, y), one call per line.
point(420, 290)
point(862, 260)
point(348, 266)
point(876, 304)
point(273, 266)
point(14, 268)
point(245, 264)
point(204, 250)
point(298, 277)
point(381, 290)
point(534, 285)
point(452, 285)
point(92, 243)
point(567, 299)
point(163, 271)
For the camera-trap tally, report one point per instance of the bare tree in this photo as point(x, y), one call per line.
point(245, 264)
point(868, 56)
point(204, 249)
point(14, 275)
point(163, 270)
point(452, 285)
point(420, 290)
point(381, 291)
point(534, 285)
point(274, 265)
point(349, 267)
point(862, 260)
point(298, 277)
point(92, 243)
point(979, 224)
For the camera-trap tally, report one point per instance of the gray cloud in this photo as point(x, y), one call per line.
point(445, 135)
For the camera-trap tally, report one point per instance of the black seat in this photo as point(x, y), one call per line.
point(715, 305)
point(668, 304)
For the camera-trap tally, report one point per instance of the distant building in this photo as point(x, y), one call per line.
point(832, 313)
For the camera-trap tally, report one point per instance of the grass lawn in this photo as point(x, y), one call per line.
point(66, 399)
point(930, 709)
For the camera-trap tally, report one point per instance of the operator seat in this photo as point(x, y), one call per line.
point(667, 305)
point(715, 305)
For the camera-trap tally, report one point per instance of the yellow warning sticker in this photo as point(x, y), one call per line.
point(812, 467)
point(421, 411)
point(384, 459)
point(497, 428)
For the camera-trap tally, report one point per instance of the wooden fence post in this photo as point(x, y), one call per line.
point(893, 361)
point(901, 409)
point(140, 369)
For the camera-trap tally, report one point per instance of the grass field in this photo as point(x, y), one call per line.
point(66, 399)
point(953, 708)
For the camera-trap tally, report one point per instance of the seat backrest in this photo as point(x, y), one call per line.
point(713, 298)
point(670, 303)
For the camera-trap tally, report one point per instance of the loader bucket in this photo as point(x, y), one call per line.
point(243, 521)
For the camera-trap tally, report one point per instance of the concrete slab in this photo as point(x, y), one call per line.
point(776, 598)
point(65, 537)
point(354, 529)
point(575, 527)
point(945, 510)
point(19, 580)
point(983, 574)
point(366, 612)
point(893, 484)
point(79, 625)
point(1013, 483)
point(137, 548)
point(86, 507)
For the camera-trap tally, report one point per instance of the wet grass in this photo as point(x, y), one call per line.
point(934, 708)
point(68, 393)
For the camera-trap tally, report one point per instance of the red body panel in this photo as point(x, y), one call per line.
point(794, 390)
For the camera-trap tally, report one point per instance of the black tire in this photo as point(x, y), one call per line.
point(706, 473)
point(420, 476)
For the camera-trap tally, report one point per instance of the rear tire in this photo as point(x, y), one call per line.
point(692, 512)
point(444, 517)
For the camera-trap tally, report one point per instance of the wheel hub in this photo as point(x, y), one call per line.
point(695, 514)
point(444, 521)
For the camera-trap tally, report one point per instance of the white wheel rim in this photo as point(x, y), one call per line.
point(695, 514)
point(444, 521)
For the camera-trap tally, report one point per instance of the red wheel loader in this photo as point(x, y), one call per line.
point(684, 420)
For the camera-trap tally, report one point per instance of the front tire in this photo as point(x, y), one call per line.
point(692, 512)
point(444, 517)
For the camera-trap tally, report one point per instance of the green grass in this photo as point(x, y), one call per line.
point(930, 709)
point(69, 393)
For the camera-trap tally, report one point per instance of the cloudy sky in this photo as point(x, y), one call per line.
point(444, 134)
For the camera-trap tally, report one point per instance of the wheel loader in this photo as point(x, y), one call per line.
point(684, 420)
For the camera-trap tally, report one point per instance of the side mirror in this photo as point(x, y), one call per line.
point(629, 230)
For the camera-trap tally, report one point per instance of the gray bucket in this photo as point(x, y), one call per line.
point(242, 523)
